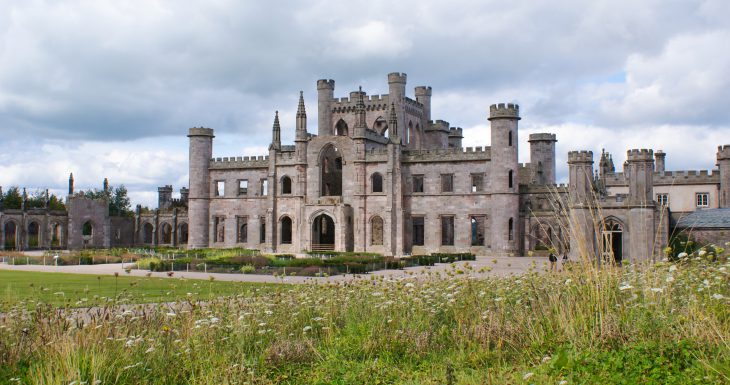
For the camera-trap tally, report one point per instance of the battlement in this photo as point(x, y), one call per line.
point(423, 91)
point(670, 178)
point(200, 131)
point(640, 155)
point(397, 77)
point(660, 154)
point(580, 156)
point(542, 137)
point(501, 110)
point(166, 188)
point(723, 152)
point(447, 154)
point(325, 84)
point(261, 161)
point(456, 132)
point(438, 125)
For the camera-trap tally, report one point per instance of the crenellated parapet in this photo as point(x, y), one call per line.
point(325, 84)
point(669, 178)
point(504, 111)
point(200, 131)
point(261, 161)
point(447, 155)
point(397, 77)
point(456, 132)
point(542, 137)
point(723, 152)
point(640, 155)
point(438, 125)
point(582, 156)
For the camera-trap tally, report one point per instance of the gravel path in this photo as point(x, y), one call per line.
point(500, 266)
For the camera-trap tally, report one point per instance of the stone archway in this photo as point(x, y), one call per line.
point(147, 232)
point(330, 164)
point(182, 234)
point(323, 233)
point(10, 232)
point(165, 234)
point(34, 235)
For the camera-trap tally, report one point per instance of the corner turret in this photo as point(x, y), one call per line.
point(325, 94)
point(397, 97)
point(504, 185)
point(542, 158)
point(275, 134)
point(723, 162)
point(423, 96)
point(659, 158)
point(201, 150)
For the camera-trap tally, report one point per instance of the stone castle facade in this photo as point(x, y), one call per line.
point(380, 175)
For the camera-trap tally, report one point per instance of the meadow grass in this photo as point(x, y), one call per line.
point(664, 323)
point(84, 290)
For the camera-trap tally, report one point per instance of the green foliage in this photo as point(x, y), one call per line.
point(12, 198)
point(119, 203)
point(248, 269)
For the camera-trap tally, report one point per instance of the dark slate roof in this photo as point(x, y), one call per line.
point(707, 218)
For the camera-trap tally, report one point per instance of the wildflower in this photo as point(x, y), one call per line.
point(718, 296)
point(657, 289)
point(563, 382)
point(409, 284)
point(625, 286)
point(528, 375)
point(150, 350)
point(171, 314)
point(670, 279)
point(568, 281)
point(701, 253)
point(682, 255)
point(546, 359)
point(307, 328)
point(673, 268)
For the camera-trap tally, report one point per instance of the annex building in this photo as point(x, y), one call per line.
point(379, 174)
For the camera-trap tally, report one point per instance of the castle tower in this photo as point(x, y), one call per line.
point(542, 158)
point(723, 162)
point(642, 231)
point(504, 183)
point(201, 150)
point(325, 94)
point(164, 197)
point(105, 185)
point(581, 197)
point(423, 96)
point(659, 158)
point(397, 97)
point(456, 134)
point(275, 134)
point(71, 184)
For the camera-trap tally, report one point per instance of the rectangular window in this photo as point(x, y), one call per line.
point(703, 199)
point(417, 183)
point(447, 231)
point(264, 187)
point(477, 181)
point(478, 230)
point(262, 232)
point(220, 188)
point(243, 187)
point(418, 231)
point(447, 182)
point(662, 199)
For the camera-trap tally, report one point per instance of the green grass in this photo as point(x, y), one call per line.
point(83, 290)
point(666, 323)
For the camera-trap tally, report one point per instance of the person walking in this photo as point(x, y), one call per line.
point(553, 260)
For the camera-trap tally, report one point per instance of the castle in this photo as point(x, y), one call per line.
point(382, 176)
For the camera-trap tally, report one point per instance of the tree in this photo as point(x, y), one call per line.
point(120, 205)
point(12, 199)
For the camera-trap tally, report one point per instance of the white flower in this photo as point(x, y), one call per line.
point(625, 286)
point(528, 375)
point(672, 268)
point(409, 284)
point(568, 281)
point(682, 255)
point(701, 253)
point(718, 296)
point(670, 279)
point(170, 314)
point(657, 289)
point(150, 350)
point(563, 382)
point(546, 359)
point(307, 328)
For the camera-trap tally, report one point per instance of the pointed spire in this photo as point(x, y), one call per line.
point(71, 184)
point(106, 185)
point(393, 125)
point(301, 129)
point(276, 134)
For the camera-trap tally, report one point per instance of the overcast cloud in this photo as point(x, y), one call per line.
point(109, 88)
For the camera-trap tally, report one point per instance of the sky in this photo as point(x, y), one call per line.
point(109, 88)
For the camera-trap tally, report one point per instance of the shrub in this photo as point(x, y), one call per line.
point(150, 263)
point(248, 269)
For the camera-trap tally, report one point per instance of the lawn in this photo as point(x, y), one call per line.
point(83, 290)
point(664, 323)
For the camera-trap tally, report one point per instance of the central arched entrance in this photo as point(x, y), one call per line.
point(11, 235)
point(323, 233)
point(613, 242)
